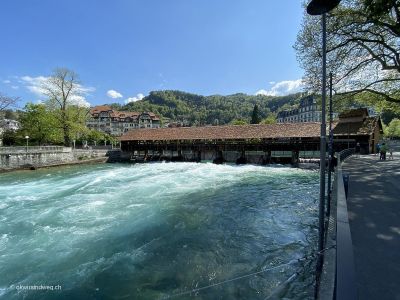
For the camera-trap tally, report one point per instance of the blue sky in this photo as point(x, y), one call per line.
point(123, 49)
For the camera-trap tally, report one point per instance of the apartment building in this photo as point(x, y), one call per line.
point(307, 112)
point(104, 118)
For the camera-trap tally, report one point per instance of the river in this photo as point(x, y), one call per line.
point(156, 231)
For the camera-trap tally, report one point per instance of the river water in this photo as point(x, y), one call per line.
point(155, 231)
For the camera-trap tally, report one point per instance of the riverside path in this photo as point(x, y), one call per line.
point(374, 215)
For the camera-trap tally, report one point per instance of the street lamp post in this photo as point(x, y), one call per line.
point(314, 8)
point(330, 148)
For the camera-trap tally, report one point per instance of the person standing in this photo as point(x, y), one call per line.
point(378, 148)
point(390, 152)
point(358, 149)
point(383, 150)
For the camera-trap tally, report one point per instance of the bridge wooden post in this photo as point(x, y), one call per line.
point(269, 156)
point(295, 157)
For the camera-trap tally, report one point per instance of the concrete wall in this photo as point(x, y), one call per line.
point(18, 157)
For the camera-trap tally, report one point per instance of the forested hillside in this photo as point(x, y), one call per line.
point(215, 109)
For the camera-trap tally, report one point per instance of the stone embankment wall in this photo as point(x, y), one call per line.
point(36, 157)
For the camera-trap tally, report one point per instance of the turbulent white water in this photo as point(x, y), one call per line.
point(153, 230)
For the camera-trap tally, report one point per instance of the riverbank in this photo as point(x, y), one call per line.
point(98, 160)
point(32, 158)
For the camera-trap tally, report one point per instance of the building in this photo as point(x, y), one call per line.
point(307, 112)
point(105, 119)
point(357, 126)
point(8, 124)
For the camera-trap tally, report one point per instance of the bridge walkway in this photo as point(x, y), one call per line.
point(374, 216)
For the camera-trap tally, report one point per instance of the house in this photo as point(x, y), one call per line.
point(307, 112)
point(357, 126)
point(105, 119)
point(8, 124)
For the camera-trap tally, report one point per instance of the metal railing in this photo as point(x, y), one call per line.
point(31, 149)
point(342, 155)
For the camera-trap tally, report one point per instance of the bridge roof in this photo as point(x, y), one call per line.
point(227, 132)
point(362, 127)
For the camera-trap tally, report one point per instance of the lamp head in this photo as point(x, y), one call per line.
point(319, 7)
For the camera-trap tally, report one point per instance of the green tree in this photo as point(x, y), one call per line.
point(239, 122)
point(393, 129)
point(12, 138)
point(40, 124)
point(271, 119)
point(255, 118)
point(78, 116)
point(202, 110)
point(363, 48)
point(64, 91)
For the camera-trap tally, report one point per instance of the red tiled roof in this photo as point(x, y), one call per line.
point(120, 114)
point(124, 114)
point(285, 130)
point(99, 109)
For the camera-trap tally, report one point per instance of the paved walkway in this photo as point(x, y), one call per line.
point(374, 213)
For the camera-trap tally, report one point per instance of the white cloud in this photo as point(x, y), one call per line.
point(283, 88)
point(11, 84)
point(138, 97)
point(114, 94)
point(79, 100)
point(36, 86)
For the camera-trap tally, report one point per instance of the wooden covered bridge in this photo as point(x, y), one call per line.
point(232, 143)
point(284, 142)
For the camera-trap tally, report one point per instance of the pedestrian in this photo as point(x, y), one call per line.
point(383, 150)
point(358, 149)
point(333, 162)
point(391, 153)
point(378, 148)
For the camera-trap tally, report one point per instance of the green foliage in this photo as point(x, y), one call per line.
point(255, 118)
point(197, 110)
point(40, 125)
point(45, 125)
point(9, 114)
point(393, 129)
point(378, 9)
point(239, 122)
point(362, 48)
point(271, 119)
point(11, 138)
point(91, 136)
point(63, 91)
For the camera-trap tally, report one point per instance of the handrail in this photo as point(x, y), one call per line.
point(342, 155)
point(31, 149)
point(345, 268)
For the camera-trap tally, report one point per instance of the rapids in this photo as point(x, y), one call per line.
point(149, 231)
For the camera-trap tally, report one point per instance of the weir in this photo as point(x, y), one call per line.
point(149, 231)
